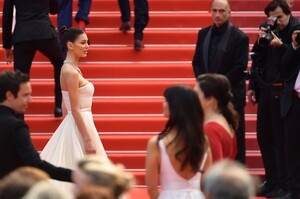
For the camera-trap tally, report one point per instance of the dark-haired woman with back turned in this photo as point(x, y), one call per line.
point(220, 118)
point(180, 153)
point(77, 135)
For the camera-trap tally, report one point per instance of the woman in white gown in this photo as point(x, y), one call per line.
point(179, 155)
point(77, 135)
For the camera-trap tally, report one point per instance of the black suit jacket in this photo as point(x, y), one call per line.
point(291, 67)
point(233, 63)
point(32, 21)
point(16, 148)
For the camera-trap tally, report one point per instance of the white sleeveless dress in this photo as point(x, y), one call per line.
point(66, 146)
point(174, 186)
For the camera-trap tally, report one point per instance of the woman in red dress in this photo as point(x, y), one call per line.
point(220, 118)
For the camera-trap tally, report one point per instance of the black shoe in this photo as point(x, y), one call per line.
point(265, 188)
point(138, 45)
point(57, 112)
point(276, 193)
point(125, 27)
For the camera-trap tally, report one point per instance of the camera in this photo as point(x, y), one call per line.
point(272, 27)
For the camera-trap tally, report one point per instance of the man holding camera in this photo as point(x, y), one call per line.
point(291, 111)
point(223, 48)
point(265, 88)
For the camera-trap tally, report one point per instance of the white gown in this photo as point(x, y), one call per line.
point(66, 146)
point(174, 186)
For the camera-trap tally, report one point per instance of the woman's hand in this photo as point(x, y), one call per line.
point(89, 147)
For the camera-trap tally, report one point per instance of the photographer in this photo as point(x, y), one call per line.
point(291, 110)
point(266, 89)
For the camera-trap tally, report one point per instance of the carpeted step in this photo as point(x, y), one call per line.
point(128, 141)
point(116, 123)
point(178, 20)
point(186, 5)
point(115, 37)
point(120, 105)
point(153, 36)
point(137, 161)
point(119, 70)
point(138, 87)
point(128, 54)
point(179, 5)
point(254, 160)
point(111, 142)
point(120, 87)
point(251, 142)
point(140, 175)
point(153, 53)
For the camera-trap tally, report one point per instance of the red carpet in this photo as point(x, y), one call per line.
point(129, 84)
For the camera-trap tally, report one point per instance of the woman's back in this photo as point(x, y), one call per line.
point(176, 156)
point(174, 182)
point(222, 143)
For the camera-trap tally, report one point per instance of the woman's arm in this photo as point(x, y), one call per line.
point(208, 161)
point(64, 109)
point(71, 78)
point(152, 168)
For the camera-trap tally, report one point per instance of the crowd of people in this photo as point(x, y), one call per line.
point(204, 126)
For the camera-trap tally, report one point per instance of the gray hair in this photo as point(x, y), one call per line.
point(228, 180)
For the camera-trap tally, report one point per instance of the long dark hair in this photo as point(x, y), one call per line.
point(218, 86)
point(186, 116)
point(69, 35)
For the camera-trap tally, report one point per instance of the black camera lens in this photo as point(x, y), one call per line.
point(298, 38)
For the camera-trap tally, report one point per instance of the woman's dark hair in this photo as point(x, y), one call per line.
point(69, 35)
point(218, 86)
point(186, 116)
point(278, 3)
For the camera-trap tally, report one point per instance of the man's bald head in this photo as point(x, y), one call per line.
point(220, 11)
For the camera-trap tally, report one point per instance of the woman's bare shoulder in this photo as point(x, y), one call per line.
point(67, 70)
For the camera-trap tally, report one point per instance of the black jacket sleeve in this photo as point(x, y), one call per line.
point(7, 18)
point(289, 58)
point(54, 7)
point(197, 60)
point(236, 74)
point(30, 157)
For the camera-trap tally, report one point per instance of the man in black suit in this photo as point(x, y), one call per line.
point(16, 148)
point(223, 48)
point(33, 32)
point(265, 88)
point(290, 110)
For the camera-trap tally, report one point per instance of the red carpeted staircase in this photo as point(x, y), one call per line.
point(129, 85)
